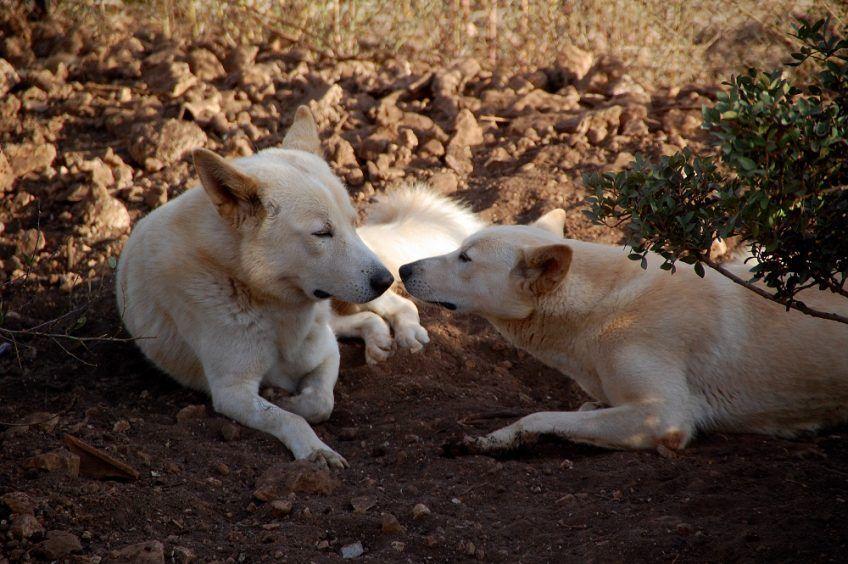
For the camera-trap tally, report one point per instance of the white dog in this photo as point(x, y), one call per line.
point(664, 355)
point(228, 287)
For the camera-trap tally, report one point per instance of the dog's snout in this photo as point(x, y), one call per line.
point(381, 281)
point(405, 271)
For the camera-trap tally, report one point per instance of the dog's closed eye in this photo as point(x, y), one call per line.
point(325, 232)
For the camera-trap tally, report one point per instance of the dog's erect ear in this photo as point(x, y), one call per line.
point(553, 221)
point(235, 194)
point(303, 133)
point(545, 267)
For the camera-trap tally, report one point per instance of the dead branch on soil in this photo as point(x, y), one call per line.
point(69, 407)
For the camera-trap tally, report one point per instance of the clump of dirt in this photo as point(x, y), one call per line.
point(95, 129)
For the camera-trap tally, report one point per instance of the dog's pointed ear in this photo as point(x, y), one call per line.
point(553, 222)
point(544, 268)
point(235, 194)
point(303, 133)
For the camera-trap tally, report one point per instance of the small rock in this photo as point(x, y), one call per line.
point(19, 502)
point(445, 182)
point(390, 524)
point(30, 242)
point(170, 78)
point(182, 555)
point(150, 552)
point(230, 431)
point(683, 529)
point(121, 426)
point(433, 148)
point(58, 544)
point(574, 62)
point(156, 196)
point(7, 175)
point(99, 172)
point(363, 503)
point(353, 550)
point(8, 77)
point(105, 216)
point(347, 433)
point(281, 507)
point(467, 131)
point(25, 526)
point(222, 469)
point(156, 145)
point(56, 460)
point(191, 412)
point(420, 511)
point(29, 157)
point(398, 546)
point(205, 65)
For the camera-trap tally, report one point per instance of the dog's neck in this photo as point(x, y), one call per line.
point(572, 308)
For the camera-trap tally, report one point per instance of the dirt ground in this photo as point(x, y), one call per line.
point(95, 128)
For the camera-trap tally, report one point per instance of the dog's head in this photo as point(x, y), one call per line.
point(294, 220)
point(499, 272)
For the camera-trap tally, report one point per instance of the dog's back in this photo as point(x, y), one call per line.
point(414, 222)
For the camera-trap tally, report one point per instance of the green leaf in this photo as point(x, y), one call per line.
point(699, 269)
point(747, 163)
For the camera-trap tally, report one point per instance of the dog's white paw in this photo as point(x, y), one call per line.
point(379, 345)
point(329, 458)
point(411, 336)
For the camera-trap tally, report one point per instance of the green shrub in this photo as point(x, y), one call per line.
point(778, 179)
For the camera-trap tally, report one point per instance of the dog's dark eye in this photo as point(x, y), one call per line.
point(324, 233)
point(464, 257)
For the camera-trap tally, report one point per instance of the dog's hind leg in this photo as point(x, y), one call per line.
point(402, 315)
point(369, 327)
point(629, 426)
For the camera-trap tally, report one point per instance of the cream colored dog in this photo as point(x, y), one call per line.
point(665, 355)
point(228, 287)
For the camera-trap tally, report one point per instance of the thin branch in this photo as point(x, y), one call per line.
point(793, 304)
point(102, 338)
point(43, 421)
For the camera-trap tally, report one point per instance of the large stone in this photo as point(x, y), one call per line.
point(155, 145)
point(294, 477)
point(58, 544)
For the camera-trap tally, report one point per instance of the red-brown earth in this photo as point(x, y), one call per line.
point(95, 128)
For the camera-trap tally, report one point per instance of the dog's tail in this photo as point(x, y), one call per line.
point(414, 222)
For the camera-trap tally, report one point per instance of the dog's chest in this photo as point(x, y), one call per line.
point(302, 339)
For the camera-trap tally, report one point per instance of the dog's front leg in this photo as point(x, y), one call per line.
point(402, 315)
point(239, 399)
point(314, 401)
point(629, 426)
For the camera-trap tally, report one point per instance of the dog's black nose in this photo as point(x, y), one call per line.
point(405, 271)
point(381, 281)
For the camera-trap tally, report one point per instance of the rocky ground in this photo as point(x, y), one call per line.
point(95, 126)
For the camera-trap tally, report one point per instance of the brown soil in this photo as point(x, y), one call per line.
point(105, 101)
